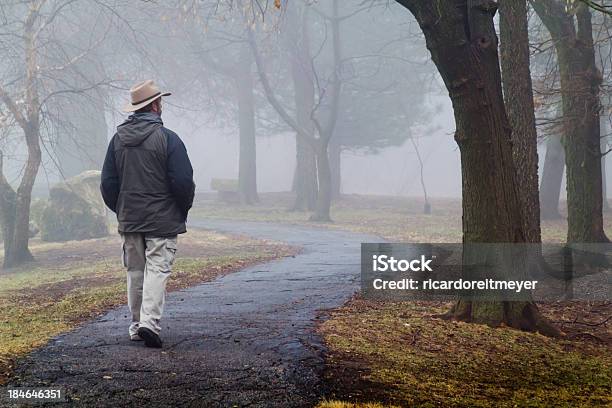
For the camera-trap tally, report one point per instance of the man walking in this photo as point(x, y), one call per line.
point(147, 180)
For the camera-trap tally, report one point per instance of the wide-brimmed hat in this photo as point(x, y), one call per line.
point(143, 94)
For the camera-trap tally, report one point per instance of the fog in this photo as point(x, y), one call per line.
point(392, 171)
point(389, 92)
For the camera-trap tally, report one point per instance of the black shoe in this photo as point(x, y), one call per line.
point(151, 339)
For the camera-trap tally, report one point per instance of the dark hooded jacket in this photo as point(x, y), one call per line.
point(147, 178)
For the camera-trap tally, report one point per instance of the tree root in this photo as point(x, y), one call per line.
point(518, 315)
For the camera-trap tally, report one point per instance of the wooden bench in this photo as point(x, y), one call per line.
point(227, 189)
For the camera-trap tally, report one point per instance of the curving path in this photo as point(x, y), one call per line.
point(245, 339)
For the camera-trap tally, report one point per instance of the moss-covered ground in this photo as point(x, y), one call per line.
point(401, 354)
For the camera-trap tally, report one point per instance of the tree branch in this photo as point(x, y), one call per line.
point(270, 95)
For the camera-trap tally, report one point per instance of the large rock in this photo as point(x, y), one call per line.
point(75, 210)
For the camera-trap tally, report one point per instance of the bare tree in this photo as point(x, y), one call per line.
point(572, 34)
point(329, 96)
point(297, 43)
point(518, 95)
point(28, 82)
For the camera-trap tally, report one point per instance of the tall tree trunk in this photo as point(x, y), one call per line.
point(324, 196)
point(306, 169)
point(580, 81)
point(20, 251)
point(247, 162)
point(327, 129)
point(463, 44)
point(298, 45)
point(518, 96)
point(604, 178)
point(604, 188)
point(605, 205)
point(305, 179)
point(16, 249)
point(552, 178)
point(16, 204)
point(8, 198)
point(335, 164)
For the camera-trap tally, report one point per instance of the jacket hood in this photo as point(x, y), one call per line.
point(138, 127)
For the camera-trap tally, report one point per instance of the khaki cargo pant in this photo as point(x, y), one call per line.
point(149, 262)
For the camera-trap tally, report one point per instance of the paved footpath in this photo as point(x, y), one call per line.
point(245, 339)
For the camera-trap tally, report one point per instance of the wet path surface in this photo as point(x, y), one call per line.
point(245, 339)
